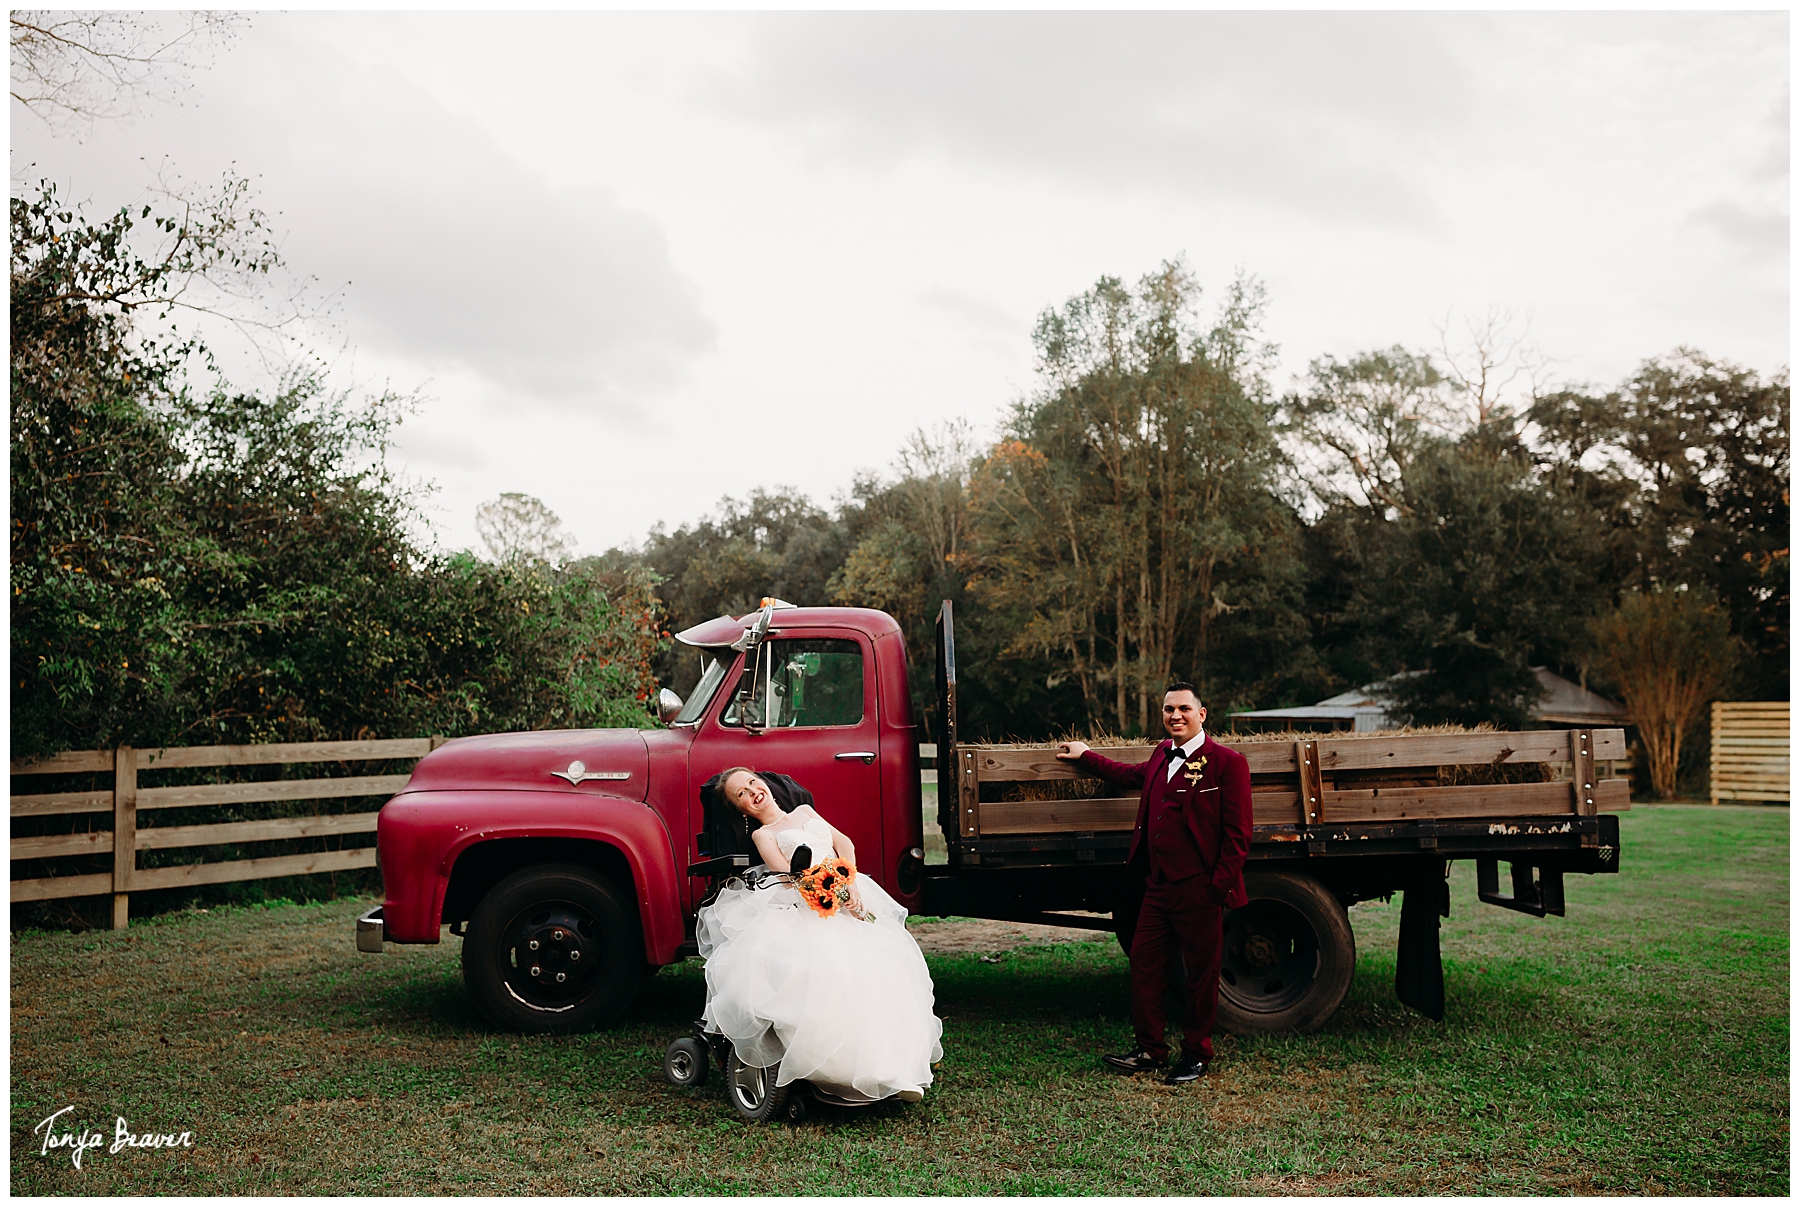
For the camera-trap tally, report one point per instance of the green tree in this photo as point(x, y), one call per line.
point(1688, 465)
point(1487, 572)
point(1446, 554)
point(222, 566)
point(96, 398)
point(1130, 506)
point(775, 543)
point(908, 534)
point(517, 529)
point(477, 648)
point(1360, 424)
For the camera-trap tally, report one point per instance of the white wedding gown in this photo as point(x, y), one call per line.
point(840, 1002)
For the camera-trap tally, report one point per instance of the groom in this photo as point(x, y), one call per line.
point(1187, 858)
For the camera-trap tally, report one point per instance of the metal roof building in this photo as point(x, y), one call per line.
point(1364, 709)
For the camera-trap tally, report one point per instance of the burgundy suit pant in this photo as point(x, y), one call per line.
point(1180, 916)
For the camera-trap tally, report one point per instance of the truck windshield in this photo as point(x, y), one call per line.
point(703, 690)
point(806, 684)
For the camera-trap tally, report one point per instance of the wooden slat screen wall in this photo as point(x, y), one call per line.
point(125, 800)
point(1750, 751)
point(1277, 801)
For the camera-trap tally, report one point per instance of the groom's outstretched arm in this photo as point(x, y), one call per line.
point(1129, 775)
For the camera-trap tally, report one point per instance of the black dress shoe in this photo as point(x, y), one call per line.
point(1138, 1061)
point(1185, 1071)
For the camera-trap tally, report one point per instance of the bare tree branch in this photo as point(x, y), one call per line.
point(73, 69)
point(1496, 352)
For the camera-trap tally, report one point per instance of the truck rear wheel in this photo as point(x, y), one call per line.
point(1289, 955)
point(553, 949)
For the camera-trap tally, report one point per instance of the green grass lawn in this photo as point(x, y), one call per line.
point(1639, 1045)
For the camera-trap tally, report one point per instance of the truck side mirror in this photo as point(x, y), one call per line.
point(668, 705)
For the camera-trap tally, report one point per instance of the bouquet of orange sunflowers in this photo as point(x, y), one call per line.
point(826, 887)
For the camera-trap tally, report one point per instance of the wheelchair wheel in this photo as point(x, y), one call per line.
point(755, 1096)
point(685, 1062)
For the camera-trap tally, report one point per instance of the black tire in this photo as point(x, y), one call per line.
point(588, 962)
point(1289, 956)
point(685, 1062)
point(753, 1093)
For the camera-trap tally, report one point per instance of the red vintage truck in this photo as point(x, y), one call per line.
point(571, 863)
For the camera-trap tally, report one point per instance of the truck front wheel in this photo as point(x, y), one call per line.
point(553, 949)
point(1289, 955)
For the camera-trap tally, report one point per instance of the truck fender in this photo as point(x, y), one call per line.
point(435, 829)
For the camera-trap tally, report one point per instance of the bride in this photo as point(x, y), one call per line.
point(838, 1001)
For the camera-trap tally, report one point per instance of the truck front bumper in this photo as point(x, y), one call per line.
point(370, 930)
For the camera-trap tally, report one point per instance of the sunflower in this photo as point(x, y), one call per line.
point(824, 904)
point(844, 869)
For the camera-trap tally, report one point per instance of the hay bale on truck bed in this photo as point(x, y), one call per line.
point(1443, 776)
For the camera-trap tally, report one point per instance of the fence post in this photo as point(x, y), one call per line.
point(438, 739)
point(124, 833)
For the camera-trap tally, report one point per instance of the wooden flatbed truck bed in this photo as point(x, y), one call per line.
point(1338, 819)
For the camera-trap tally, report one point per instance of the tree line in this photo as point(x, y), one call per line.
point(197, 563)
point(1154, 509)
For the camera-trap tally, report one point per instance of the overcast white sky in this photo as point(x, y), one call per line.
point(641, 261)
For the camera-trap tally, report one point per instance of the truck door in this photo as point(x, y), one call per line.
point(810, 714)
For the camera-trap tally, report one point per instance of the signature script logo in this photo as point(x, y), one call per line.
point(79, 1141)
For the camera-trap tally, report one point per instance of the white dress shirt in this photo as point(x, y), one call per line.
point(1181, 754)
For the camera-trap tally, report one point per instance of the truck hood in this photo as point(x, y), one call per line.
point(594, 762)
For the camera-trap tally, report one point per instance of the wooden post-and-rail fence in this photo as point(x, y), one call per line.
point(125, 800)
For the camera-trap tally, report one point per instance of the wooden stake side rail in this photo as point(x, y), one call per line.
point(1340, 754)
point(1288, 775)
point(125, 800)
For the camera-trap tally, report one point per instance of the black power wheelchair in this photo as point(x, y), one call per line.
point(729, 853)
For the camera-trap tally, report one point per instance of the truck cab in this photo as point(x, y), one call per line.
point(563, 858)
point(823, 696)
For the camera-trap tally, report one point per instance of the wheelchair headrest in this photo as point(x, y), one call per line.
point(727, 830)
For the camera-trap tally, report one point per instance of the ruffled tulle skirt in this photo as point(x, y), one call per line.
point(839, 1002)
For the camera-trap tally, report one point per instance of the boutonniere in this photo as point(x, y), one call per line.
point(1196, 770)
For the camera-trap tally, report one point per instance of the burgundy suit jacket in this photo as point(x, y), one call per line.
point(1215, 808)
